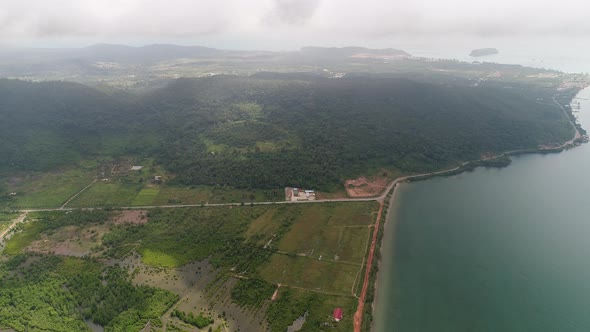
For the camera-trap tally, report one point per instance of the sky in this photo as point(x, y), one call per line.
point(288, 24)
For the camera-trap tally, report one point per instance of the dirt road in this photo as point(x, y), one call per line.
point(20, 219)
point(577, 133)
point(77, 194)
point(358, 315)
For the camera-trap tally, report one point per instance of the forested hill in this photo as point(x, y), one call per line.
point(272, 130)
point(45, 125)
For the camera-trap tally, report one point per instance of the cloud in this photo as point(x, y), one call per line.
point(173, 18)
point(324, 21)
point(376, 18)
point(293, 12)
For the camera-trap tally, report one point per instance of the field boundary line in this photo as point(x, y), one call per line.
point(77, 194)
point(367, 245)
point(316, 291)
point(328, 260)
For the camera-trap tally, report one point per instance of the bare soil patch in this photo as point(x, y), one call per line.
point(70, 241)
point(487, 156)
point(363, 187)
point(131, 217)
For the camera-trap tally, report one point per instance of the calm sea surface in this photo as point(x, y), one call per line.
point(492, 250)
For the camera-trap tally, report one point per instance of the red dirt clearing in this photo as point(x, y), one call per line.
point(363, 187)
point(358, 315)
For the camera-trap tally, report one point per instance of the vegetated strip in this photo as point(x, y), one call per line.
point(358, 274)
point(500, 160)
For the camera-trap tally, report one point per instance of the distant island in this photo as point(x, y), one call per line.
point(351, 52)
point(483, 52)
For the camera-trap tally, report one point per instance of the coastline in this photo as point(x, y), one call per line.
point(387, 236)
point(504, 158)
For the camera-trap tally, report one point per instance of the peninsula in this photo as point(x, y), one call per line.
point(483, 52)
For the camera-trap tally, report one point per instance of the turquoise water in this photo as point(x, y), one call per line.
point(492, 250)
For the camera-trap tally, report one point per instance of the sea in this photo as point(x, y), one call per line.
point(493, 249)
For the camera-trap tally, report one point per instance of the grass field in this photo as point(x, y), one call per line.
point(292, 303)
point(50, 190)
point(47, 189)
point(331, 242)
point(310, 273)
point(181, 195)
point(159, 258)
point(125, 194)
point(107, 194)
point(263, 227)
point(207, 194)
point(146, 196)
point(18, 242)
point(334, 231)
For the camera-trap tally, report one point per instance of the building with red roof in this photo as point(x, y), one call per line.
point(337, 315)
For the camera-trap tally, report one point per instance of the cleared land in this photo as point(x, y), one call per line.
point(107, 194)
point(52, 189)
point(310, 274)
point(221, 262)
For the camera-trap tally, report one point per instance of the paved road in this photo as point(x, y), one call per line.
point(379, 198)
point(358, 199)
point(146, 207)
point(577, 133)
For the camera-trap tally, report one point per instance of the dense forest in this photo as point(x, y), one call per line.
point(271, 130)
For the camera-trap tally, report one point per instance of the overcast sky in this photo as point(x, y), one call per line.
point(286, 24)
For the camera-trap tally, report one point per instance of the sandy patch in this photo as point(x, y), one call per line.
point(131, 217)
point(363, 187)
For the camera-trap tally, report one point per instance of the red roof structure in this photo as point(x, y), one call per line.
point(337, 314)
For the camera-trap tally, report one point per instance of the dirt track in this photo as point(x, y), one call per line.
point(20, 219)
point(358, 315)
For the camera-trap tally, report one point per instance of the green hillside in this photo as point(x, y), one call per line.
point(271, 130)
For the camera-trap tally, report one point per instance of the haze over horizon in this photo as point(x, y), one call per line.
point(289, 24)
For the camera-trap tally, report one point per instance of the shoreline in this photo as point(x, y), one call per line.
point(392, 189)
point(388, 215)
